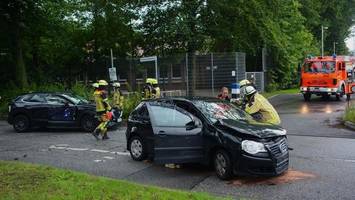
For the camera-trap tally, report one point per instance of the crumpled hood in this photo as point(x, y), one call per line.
point(257, 129)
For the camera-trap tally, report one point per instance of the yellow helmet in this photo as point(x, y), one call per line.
point(95, 85)
point(103, 83)
point(244, 82)
point(151, 81)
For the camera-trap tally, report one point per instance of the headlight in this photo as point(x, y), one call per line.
point(304, 88)
point(253, 147)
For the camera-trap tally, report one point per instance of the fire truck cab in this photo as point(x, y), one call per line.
point(328, 75)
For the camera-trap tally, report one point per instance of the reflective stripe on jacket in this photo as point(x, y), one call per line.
point(263, 106)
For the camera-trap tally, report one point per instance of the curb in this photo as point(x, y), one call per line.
point(350, 125)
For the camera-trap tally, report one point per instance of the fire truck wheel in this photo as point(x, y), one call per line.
point(339, 96)
point(307, 96)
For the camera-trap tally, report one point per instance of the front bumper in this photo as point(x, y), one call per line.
point(319, 90)
point(271, 163)
point(262, 166)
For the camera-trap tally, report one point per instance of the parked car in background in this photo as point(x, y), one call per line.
point(51, 110)
point(207, 131)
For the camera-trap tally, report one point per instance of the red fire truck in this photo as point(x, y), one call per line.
point(328, 75)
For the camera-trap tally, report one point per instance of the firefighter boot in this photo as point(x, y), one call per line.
point(96, 133)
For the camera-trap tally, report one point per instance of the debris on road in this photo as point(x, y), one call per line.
point(289, 176)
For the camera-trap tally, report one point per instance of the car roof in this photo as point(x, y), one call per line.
point(58, 93)
point(187, 98)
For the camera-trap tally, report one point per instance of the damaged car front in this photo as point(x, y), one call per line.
point(256, 148)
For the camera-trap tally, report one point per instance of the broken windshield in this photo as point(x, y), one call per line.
point(215, 111)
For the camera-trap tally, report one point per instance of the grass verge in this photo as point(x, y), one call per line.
point(287, 91)
point(28, 181)
point(349, 114)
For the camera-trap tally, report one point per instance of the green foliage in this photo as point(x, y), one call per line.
point(29, 181)
point(66, 41)
point(350, 113)
point(131, 102)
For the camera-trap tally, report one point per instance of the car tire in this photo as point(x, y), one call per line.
point(307, 96)
point(88, 123)
point(21, 123)
point(223, 165)
point(137, 148)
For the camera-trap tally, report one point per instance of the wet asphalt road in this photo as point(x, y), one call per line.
point(322, 147)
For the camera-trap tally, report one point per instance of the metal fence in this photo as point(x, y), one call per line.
point(185, 74)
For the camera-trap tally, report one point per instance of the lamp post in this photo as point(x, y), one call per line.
point(323, 28)
point(334, 43)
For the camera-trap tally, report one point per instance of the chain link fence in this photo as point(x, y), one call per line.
point(181, 74)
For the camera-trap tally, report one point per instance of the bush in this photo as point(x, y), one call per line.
point(130, 102)
point(350, 114)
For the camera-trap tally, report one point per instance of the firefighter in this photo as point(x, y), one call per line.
point(259, 107)
point(156, 89)
point(151, 89)
point(103, 109)
point(117, 96)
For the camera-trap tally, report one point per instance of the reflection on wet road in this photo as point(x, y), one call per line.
point(324, 115)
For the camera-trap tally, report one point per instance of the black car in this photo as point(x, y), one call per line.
point(207, 131)
point(52, 110)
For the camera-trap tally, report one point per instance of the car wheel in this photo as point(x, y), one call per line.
point(88, 123)
point(223, 165)
point(137, 148)
point(21, 123)
point(307, 96)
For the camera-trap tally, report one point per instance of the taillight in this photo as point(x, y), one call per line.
point(335, 81)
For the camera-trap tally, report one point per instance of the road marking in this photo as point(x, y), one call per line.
point(67, 148)
point(99, 150)
point(109, 157)
point(77, 149)
point(120, 153)
point(97, 161)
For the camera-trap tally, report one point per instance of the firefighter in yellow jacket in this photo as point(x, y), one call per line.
point(102, 109)
point(151, 89)
point(259, 107)
point(117, 96)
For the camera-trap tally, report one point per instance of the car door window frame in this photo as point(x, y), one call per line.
point(170, 106)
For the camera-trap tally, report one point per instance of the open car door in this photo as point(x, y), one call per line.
point(177, 134)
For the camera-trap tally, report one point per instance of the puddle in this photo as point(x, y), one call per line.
point(288, 177)
point(337, 123)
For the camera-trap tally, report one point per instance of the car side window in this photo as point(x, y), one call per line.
point(56, 100)
point(35, 98)
point(169, 116)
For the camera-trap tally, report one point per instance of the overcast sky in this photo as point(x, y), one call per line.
point(350, 42)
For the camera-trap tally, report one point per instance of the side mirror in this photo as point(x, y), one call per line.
point(190, 125)
point(195, 123)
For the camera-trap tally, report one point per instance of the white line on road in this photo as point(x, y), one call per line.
point(66, 148)
point(99, 150)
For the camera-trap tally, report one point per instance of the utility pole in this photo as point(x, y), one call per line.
point(323, 28)
point(334, 43)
